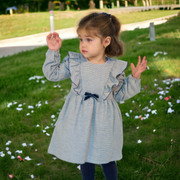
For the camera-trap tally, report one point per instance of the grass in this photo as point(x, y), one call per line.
point(155, 158)
point(31, 23)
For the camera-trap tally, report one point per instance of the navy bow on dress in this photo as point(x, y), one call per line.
point(88, 95)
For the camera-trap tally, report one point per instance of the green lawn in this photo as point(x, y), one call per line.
point(31, 23)
point(158, 154)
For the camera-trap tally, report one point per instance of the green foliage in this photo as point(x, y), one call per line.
point(157, 157)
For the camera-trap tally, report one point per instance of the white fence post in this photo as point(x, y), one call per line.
point(101, 4)
point(152, 32)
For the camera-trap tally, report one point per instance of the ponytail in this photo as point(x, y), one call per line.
point(116, 46)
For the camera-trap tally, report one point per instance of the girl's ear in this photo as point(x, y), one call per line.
point(107, 41)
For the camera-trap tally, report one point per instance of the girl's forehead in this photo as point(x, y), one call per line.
point(85, 32)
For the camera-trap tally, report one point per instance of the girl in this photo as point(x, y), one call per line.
point(89, 128)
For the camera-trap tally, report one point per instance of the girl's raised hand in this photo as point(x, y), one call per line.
point(141, 66)
point(54, 42)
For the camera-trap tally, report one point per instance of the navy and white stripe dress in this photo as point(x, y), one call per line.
point(89, 130)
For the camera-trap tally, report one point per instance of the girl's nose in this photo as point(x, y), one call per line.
point(83, 44)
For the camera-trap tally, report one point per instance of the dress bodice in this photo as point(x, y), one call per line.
point(94, 77)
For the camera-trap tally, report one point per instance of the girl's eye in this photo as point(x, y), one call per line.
point(80, 39)
point(89, 40)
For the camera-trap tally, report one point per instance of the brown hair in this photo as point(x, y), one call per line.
point(103, 25)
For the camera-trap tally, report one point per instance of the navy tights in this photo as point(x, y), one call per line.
point(109, 170)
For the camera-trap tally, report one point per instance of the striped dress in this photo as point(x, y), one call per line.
point(89, 130)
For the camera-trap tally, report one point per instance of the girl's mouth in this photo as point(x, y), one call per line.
point(84, 51)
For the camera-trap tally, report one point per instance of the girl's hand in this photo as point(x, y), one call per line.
point(141, 66)
point(54, 42)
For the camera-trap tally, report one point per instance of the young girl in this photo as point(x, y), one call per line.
point(89, 128)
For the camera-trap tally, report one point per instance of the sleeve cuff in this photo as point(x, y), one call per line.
point(133, 78)
point(55, 52)
point(53, 56)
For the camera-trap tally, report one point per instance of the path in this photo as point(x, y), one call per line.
point(19, 44)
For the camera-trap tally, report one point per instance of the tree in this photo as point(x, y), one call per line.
point(84, 4)
point(41, 5)
point(34, 5)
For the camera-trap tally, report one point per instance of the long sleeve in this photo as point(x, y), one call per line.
point(128, 87)
point(53, 69)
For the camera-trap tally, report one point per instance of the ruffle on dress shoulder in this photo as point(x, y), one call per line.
point(75, 59)
point(116, 77)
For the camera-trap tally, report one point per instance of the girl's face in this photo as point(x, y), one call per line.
point(91, 47)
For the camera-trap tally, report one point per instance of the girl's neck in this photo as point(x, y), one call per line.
point(96, 60)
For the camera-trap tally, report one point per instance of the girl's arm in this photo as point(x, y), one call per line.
point(52, 68)
point(129, 88)
point(131, 85)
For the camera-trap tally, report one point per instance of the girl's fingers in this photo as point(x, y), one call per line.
point(52, 37)
point(59, 39)
point(49, 36)
point(55, 35)
point(144, 65)
point(144, 62)
point(139, 60)
point(132, 66)
point(144, 59)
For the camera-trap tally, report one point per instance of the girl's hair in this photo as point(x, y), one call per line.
point(103, 25)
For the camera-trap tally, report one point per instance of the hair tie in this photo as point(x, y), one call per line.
point(106, 14)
